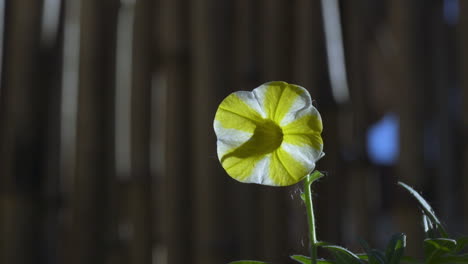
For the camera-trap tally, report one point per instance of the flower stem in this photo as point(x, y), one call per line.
point(310, 216)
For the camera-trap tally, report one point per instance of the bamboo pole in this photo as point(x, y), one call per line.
point(405, 17)
point(444, 87)
point(212, 77)
point(141, 182)
point(21, 137)
point(173, 33)
point(354, 117)
point(51, 71)
point(462, 44)
point(90, 230)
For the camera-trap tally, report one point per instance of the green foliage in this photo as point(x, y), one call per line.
point(461, 244)
point(393, 254)
point(342, 255)
point(248, 262)
point(395, 248)
point(439, 247)
point(306, 260)
point(443, 250)
point(432, 221)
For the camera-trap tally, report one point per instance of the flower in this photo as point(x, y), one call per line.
point(269, 136)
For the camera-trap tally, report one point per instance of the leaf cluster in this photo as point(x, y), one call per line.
point(439, 247)
point(392, 255)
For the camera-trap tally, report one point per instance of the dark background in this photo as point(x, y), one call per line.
point(107, 152)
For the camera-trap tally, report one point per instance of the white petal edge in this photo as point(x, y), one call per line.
point(251, 100)
point(260, 174)
point(305, 155)
point(228, 138)
point(259, 94)
point(301, 106)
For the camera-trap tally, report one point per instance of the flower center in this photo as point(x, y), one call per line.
point(267, 137)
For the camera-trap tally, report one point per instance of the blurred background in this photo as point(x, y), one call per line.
point(107, 152)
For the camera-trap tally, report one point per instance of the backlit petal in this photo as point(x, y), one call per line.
point(277, 99)
point(269, 136)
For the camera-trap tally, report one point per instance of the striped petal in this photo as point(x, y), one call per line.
point(282, 101)
point(269, 136)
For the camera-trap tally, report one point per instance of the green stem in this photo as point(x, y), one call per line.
point(310, 218)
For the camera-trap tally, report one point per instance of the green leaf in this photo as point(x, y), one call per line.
point(323, 243)
point(453, 259)
point(461, 243)
point(376, 257)
point(429, 228)
point(373, 256)
point(426, 208)
point(434, 248)
point(306, 260)
point(443, 244)
point(342, 255)
point(362, 256)
point(301, 259)
point(395, 248)
point(406, 259)
point(248, 262)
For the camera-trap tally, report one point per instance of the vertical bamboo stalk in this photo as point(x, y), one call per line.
point(354, 211)
point(21, 137)
point(51, 73)
point(307, 45)
point(158, 140)
point(444, 85)
point(462, 44)
point(211, 27)
point(94, 149)
point(68, 112)
point(405, 17)
point(141, 190)
point(174, 53)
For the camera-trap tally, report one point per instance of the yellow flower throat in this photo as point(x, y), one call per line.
point(268, 136)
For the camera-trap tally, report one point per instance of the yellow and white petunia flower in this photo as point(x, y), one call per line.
point(269, 136)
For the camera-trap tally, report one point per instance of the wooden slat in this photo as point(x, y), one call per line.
point(22, 141)
point(405, 17)
point(95, 139)
point(353, 212)
point(173, 32)
point(307, 45)
point(444, 86)
point(51, 71)
point(141, 191)
point(211, 29)
point(462, 44)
